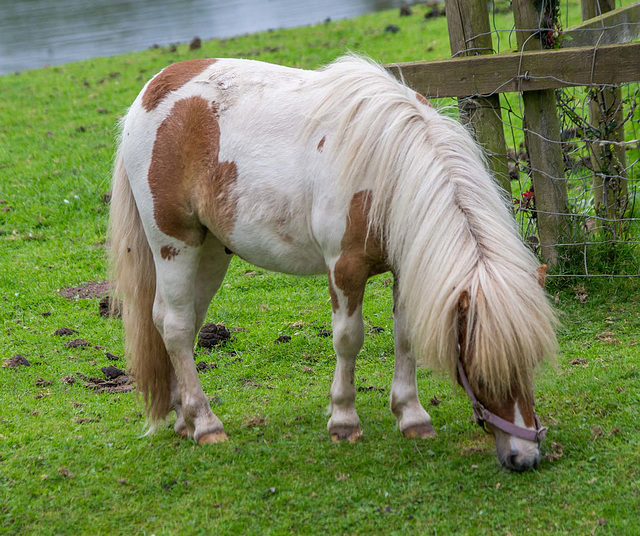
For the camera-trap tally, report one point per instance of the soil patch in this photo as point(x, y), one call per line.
point(63, 332)
point(121, 384)
point(41, 382)
point(105, 307)
point(92, 289)
point(16, 361)
point(283, 338)
point(213, 335)
point(77, 343)
point(253, 421)
point(204, 367)
point(112, 372)
point(607, 336)
point(365, 388)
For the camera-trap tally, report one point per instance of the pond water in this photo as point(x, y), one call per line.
point(35, 33)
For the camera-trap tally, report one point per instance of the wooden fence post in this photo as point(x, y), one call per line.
point(542, 136)
point(610, 192)
point(470, 35)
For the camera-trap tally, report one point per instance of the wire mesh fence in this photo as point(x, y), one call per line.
point(599, 233)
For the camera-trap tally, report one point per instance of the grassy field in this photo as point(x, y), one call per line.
point(72, 459)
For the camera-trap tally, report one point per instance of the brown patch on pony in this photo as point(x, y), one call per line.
point(423, 100)
point(541, 272)
point(169, 252)
point(191, 189)
point(171, 79)
point(332, 292)
point(321, 143)
point(363, 255)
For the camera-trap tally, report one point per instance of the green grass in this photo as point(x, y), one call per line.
point(73, 461)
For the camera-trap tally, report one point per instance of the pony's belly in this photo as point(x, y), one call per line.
point(276, 251)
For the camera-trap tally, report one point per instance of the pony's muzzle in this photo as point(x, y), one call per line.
point(514, 453)
point(519, 462)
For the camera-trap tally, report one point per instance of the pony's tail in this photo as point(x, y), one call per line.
point(133, 273)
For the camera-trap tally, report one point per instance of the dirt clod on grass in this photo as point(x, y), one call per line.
point(69, 380)
point(325, 333)
point(112, 357)
point(104, 307)
point(41, 382)
point(63, 332)
point(77, 343)
point(16, 361)
point(578, 361)
point(283, 338)
point(112, 372)
point(92, 289)
point(607, 336)
point(121, 384)
point(254, 420)
point(82, 420)
point(556, 452)
point(202, 366)
point(365, 388)
point(435, 11)
point(213, 335)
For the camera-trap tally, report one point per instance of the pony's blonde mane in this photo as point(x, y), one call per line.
point(445, 225)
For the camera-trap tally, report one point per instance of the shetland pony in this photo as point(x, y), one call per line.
point(343, 171)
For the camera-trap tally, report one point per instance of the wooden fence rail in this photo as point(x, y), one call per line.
point(527, 71)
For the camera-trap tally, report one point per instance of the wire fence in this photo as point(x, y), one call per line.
point(600, 143)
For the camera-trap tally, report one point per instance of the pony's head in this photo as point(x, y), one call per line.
point(507, 414)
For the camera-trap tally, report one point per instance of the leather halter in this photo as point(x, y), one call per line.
point(482, 415)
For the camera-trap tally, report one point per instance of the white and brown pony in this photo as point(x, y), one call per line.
point(343, 171)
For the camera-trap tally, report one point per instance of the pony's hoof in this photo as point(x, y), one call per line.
point(345, 434)
point(212, 437)
point(423, 431)
point(181, 429)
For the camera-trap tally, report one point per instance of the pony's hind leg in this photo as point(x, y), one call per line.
point(212, 267)
point(412, 419)
point(348, 337)
point(174, 314)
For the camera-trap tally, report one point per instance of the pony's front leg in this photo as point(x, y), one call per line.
point(174, 313)
point(412, 419)
point(348, 337)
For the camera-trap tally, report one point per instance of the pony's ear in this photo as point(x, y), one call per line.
point(541, 274)
point(463, 308)
point(463, 301)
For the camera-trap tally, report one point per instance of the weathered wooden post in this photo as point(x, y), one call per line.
point(542, 136)
point(470, 35)
point(610, 192)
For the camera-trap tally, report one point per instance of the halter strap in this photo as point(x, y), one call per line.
point(482, 415)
